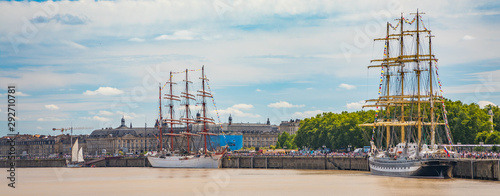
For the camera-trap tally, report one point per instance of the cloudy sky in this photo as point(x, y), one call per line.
point(88, 63)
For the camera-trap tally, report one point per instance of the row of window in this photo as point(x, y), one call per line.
point(393, 168)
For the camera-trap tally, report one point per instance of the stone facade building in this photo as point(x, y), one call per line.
point(291, 127)
point(41, 145)
point(254, 134)
point(135, 140)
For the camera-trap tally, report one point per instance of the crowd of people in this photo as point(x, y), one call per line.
point(460, 154)
point(479, 155)
point(336, 154)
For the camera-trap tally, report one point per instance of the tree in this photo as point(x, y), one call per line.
point(468, 124)
point(493, 138)
point(494, 148)
point(286, 140)
point(481, 137)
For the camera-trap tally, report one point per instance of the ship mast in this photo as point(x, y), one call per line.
point(187, 110)
point(386, 100)
point(203, 105)
point(433, 126)
point(388, 79)
point(402, 65)
point(160, 121)
point(187, 96)
point(171, 121)
point(204, 94)
point(418, 70)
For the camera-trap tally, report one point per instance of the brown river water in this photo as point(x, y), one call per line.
point(234, 182)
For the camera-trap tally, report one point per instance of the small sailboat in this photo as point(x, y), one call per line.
point(76, 156)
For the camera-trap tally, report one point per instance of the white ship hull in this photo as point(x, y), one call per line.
point(426, 168)
point(74, 165)
point(185, 161)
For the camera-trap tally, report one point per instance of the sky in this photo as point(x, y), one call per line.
point(90, 63)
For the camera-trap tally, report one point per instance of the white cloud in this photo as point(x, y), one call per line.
point(306, 114)
point(129, 115)
point(258, 90)
point(104, 91)
point(484, 83)
point(283, 104)
point(232, 57)
point(136, 39)
point(52, 107)
point(105, 113)
point(102, 119)
point(235, 110)
point(73, 44)
point(243, 106)
point(355, 105)
point(347, 86)
point(468, 37)
point(21, 94)
point(49, 119)
point(483, 104)
point(178, 35)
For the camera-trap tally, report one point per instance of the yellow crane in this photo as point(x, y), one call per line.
point(70, 128)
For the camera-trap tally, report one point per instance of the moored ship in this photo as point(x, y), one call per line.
point(208, 156)
point(410, 128)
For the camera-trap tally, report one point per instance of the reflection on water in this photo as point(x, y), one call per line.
point(156, 181)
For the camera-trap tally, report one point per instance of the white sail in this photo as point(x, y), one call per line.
point(80, 155)
point(74, 151)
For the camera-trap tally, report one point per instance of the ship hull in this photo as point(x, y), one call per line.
point(74, 165)
point(185, 162)
point(421, 168)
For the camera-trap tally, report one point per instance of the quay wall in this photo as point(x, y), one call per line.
point(465, 168)
point(122, 162)
point(296, 162)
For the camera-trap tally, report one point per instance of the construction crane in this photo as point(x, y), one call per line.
point(70, 129)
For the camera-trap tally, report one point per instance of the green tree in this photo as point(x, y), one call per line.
point(287, 140)
point(468, 124)
point(493, 138)
point(481, 137)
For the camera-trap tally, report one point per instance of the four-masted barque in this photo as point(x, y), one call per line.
point(410, 120)
point(207, 157)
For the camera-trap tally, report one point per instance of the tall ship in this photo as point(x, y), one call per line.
point(189, 156)
point(410, 130)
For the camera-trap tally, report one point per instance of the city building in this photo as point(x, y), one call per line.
point(40, 145)
point(291, 127)
point(254, 134)
point(135, 140)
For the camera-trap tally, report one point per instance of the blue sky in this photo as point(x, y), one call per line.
point(91, 62)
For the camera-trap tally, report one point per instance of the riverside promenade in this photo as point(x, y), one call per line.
point(484, 169)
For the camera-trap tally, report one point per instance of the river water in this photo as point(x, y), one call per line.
point(234, 182)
